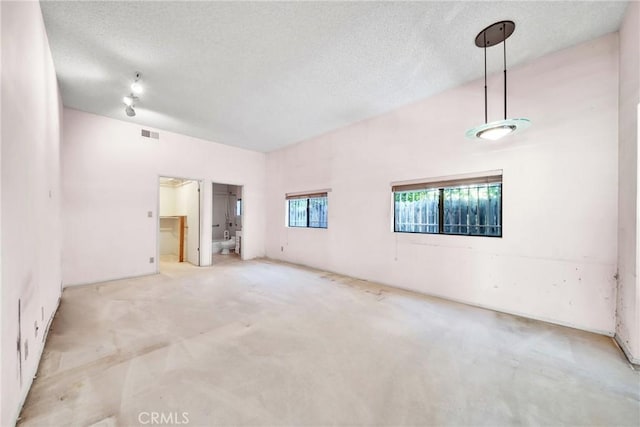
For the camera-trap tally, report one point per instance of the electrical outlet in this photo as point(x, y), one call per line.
point(151, 260)
point(150, 214)
point(35, 327)
point(281, 248)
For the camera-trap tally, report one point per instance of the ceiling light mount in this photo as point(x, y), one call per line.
point(493, 35)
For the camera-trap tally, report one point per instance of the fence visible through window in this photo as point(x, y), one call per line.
point(318, 212)
point(417, 211)
point(298, 212)
point(309, 211)
point(474, 210)
point(471, 209)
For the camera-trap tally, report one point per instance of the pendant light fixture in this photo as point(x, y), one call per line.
point(493, 35)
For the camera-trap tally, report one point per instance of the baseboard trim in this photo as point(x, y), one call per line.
point(625, 349)
point(605, 332)
point(78, 285)
point(16, 417)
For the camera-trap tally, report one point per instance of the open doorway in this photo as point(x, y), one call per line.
point(178, 222)
point(226, 231)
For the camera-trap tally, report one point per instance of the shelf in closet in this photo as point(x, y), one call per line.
point(182, 220)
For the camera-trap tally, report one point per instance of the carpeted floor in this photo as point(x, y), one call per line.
point(264, 343)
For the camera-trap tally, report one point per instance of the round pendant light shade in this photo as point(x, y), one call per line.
point(495, 130)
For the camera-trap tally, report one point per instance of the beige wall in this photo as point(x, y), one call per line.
point(557, 258)
point(31, 232)
point(628, 295)
point(110, 183)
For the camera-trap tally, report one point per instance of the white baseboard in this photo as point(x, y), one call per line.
point(625, 349)
point(76, 285)
point(605, 332)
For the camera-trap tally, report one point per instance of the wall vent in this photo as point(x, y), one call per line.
point(150, 134)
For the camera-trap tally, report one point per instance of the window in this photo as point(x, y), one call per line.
point(239, 207)
point(307, 210)
point(470, 206)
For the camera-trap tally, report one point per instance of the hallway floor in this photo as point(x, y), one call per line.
point(267, 343)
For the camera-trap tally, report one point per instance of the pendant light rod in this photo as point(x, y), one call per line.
point(504, 53)
point(485, 79)
point(491, 36)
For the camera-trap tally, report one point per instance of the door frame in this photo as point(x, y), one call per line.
point(242, 216)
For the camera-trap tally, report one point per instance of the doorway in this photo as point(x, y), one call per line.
point(226, 230)
point(178, 222)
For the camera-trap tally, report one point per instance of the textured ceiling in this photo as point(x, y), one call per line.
point(262, 75)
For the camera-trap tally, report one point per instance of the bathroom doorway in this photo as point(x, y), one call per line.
point(178, 222)
point(227, 216)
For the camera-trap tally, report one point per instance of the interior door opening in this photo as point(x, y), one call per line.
point(178, 222)
point(226, 230)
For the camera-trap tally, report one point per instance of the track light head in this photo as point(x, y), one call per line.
point(130, 111)
point(130, 100)
point(136, 86)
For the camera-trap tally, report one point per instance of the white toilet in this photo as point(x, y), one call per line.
point(228, 244)
point(224, 245)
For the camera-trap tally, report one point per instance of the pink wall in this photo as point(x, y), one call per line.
point(628, 306)
point(110, 182)
point(30, 198)
point(557, 259)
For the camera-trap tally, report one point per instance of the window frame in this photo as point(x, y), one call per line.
point(440, 184)
point(307, 197)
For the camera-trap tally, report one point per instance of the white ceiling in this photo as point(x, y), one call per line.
point(262, 75)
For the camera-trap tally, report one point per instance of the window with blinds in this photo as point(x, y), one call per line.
point(469, 206)
point(307, 210)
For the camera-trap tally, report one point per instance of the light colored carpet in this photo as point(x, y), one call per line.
point(266, 343)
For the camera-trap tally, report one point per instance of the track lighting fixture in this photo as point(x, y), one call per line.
point(493, 35)
point(130, 100)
